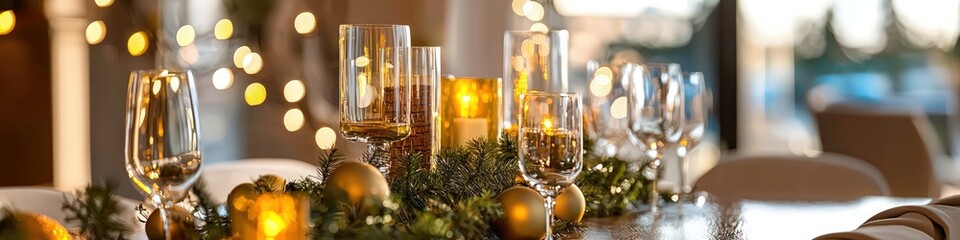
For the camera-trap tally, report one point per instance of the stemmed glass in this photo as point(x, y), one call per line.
point(655, 104)
point(375, 87)
point(694, 124)
point(551, 144)
point(162, 139)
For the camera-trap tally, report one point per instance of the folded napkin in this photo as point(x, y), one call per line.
point(938, 220)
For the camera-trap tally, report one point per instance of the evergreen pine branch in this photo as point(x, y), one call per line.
point(94, 207)
point(215, 225)
point(328, 160)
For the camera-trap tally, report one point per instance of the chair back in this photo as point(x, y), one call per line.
point(222, 177)
point(900, 143)
point(828, 177)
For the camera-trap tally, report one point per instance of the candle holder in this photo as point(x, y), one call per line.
point(471, 109)
point(424, 107)
point(532, 61)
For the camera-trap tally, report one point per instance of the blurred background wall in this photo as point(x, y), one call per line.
point(770, 65)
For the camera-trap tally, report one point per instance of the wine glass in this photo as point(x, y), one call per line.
point(375, 87)
point(162, 138)
point(655, 112)
point(694, 124)
point(607, 108)
point(551, 144)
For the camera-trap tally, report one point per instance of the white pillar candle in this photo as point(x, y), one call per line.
point(465, 129)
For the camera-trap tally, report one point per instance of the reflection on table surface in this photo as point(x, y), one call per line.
point(744, 220)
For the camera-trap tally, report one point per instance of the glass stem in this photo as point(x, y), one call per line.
point(165, 221)
point(653, 169)
point(684, 169)
point(379, 156)
point(548, 204)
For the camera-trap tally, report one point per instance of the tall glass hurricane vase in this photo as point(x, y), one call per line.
point(696, 105)
point(532, 61)
point(550, 144)
point(162, 138)
point(655, 104)
point(375, 87)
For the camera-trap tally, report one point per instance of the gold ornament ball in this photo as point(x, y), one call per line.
point(524, 216)
point(358, 181)
point(37, 226)
point(241, 197)
point(570, 205)
point(181, 224)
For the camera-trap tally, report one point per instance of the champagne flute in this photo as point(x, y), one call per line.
point(162, 138)
point(551, 144)
point(655, 112)
point(694, 124)
point(375, 87)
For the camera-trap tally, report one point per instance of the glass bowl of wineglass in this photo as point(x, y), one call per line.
point(550, 144)
point(655, 104)
point(162, 139)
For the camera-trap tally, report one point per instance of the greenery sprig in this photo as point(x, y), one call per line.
point(454, 200)
point(95, 207)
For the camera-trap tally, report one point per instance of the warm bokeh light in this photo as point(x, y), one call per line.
point(539, 27)
point(305, 23)
point(252, 63)
point(95, 32)
point(294, 91)
point(222, 78)
point(526, 48)
point(533, 10)
point(223, 30)
point(293, 119)
point(602, 84)
point(174, 83)
point(517, 6)
point(103, 3)
point(326, 138)
point(185, 35)
point(362, 61)
point(138, 43)
point(8, 20)
point(618, 109)
point(239, 54)
point(255, 94)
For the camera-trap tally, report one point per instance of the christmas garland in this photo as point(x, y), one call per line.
point(458, 198)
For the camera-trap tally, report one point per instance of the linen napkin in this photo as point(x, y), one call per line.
point(938, 220)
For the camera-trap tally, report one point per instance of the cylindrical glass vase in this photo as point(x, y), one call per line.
point(424, 107)
point(471, 109)
point(532, 61)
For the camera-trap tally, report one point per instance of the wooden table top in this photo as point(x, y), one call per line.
point(745, 220)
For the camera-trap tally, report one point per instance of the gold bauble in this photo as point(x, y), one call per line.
point(181, 224)
point(240, 200)
point(524, 216)
point(37, 226)
point(241, 197)
point(357, 181)
point(271, 183)
point(570, 205)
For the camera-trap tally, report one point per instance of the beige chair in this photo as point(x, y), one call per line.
point(901, 144)
point(828, 177)
point(222, 177)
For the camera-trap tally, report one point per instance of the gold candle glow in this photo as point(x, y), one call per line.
point(470, 108)
point(272, 216)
